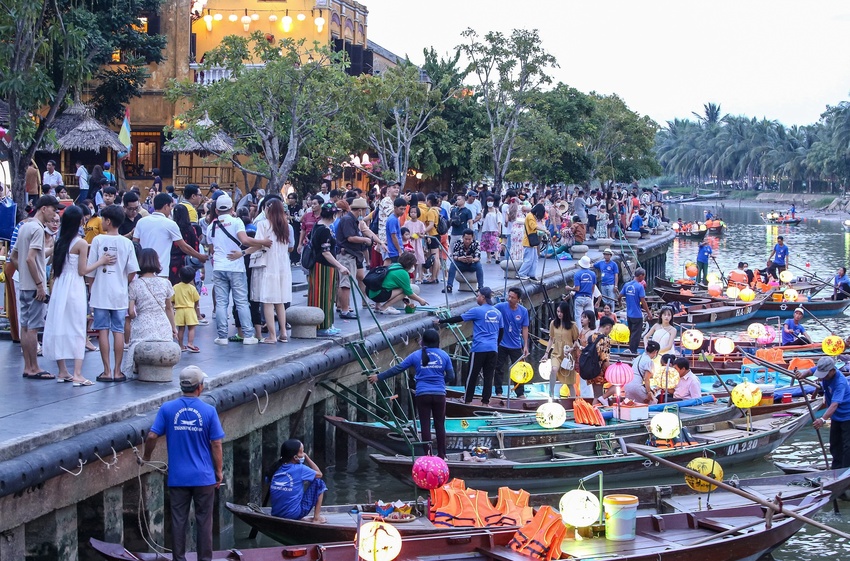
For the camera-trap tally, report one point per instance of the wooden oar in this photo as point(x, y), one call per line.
point(741, 493)
point(722, 276)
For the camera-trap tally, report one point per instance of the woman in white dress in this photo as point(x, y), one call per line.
point(65, 327)
point(663, 332)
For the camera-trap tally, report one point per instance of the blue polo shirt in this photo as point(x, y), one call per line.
point(837, 390)
point(287, 489)
point(780, 254)
point(486, 322)
point(633, 291)
point(393, 227)
point(796, 328)
point(608, 270)
point(513, 321)
point(637, 223)
point(585, 280)
point(704, 252)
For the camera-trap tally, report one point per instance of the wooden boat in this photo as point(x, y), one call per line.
point(741, 533)
point(692, 234)
point(716, 314)
point(819, 307)
point(514, 431)
point(717, 230)
point(785, 221)
point(802, 285)
point(341, 520)
point(534, 466)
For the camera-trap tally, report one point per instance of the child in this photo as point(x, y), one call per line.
point(187, 308)
point(109, 290)
point(393, 229)
point(93, 224)
point(417, 236)
point(407, 246)
point(105, 197)
point(490, 228)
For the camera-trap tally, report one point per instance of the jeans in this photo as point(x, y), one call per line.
point(635, 333)
point(609, 295)
point(581, 304)
point(204, 499)
point(504, 360)
point(467, 268)
point(84, 194)
point(529, 262)
point(226, 282)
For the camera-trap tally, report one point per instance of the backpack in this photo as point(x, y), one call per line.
point(456, 221)
point(588, 361)
point(442, 225)
point(374, 279)
point(308, 253)
point(374, 225)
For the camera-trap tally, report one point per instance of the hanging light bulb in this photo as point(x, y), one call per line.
point(301, 17)
point(320, 22)
point(246, 21)
point(286, 22)
point(218, 17)
point(208, 19)
point(255, 17)
point(272, 18)
point(233, 17)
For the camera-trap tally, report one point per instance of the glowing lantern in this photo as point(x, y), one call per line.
point(545, 368)
point(564, 391)
point(301, 17)
point(733, 292)
point(786, 276)
point(218, 17)
point(692, 339)
point(521, 373)
point(619, 373)
point(286, 23)
point(272, 18)
point(768, 337)
point(320, 23)
point(676, 226)
point(664, 377)
point(712, 277)
point(551, 415)
point(246, 22)
point(620, 333)
point(715, 290)
point(255, 17)
point(847, 222)
point(833, 345)
point(790, 295)
point(755, 330)
point(378, 541)
point(748, 294)
point(706, 467)
point(746, 395)
point(691, 271)
point(430, 472)
point(208, 20)
point(702, 228)
point(665, 425)
point(579, 508)
point(233, 17)
point(724, 345)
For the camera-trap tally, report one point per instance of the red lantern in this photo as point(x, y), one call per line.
point(691, 271)
point(430, 472)
point(619, 373)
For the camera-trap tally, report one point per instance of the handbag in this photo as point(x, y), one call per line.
point(258, 259)
point(533, 238)
point(568, 362)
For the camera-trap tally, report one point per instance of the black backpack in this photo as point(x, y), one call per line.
point(442, 224)
point(456, 221)
point(374, 279)
point(308, 253)
point(588, 361)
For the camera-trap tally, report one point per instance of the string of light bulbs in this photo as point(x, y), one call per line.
point(286, 21)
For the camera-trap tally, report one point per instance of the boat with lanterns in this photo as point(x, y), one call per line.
point(774, 304)
point(773, 217)
point(715, 227)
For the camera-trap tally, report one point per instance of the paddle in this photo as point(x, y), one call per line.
point(722, 276)
point(741, 493)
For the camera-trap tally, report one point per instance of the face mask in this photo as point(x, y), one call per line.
point(361, 218)
point(301, 459)
point(489, 204)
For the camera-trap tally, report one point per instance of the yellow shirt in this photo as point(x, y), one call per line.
point(432, 215)
point(193, 212)
point(185, 295)
point(530, 228)
point(92, 228)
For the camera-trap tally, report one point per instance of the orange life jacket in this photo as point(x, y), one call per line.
point(541, 538)
point(440, 495)
point(773, 355)
point(738, 278)
point(469, 508)
point(514, 506)
point(586, 414)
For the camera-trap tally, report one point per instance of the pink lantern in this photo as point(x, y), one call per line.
point(430, 472)
point(768, 337)
point(619, 373)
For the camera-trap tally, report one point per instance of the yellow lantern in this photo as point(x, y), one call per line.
point(833, 345)
point(551, 415)
point(564, 391)
point(692, 339)
point(620, 333)
point(755, 330)
point(521, 373)
point(746, 395)
point(748, 294)
point(790, 295)
point(579, 508)
point(664, 377)
point(707, 467)
point(702, 227)
point(786, 276)
point(665, 425)
point(724, 345)
point(733, 292)
point(712, 277)
point(545, 368)
point(378, 541)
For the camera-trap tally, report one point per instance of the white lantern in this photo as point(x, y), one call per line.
point(545, 368)
point(208, 19)
point(272, 18)
point(378, 541)
point(579, 508)
point(286, 23)
point(301, 17)
point(320, 23)
point(665, 425)
point(233, 17)
point(712, 277)
point(551, 415)
point(255, 17)
point(246, 22)
point(218, 17)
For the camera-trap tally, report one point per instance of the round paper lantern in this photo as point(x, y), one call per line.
point(430, 472)
point(733, 292)
point(521, 373)
point(620, 333)
point(675, 226)
point(564, 391)
point(786, 276)
point(619, 373)
point(748, 294)
point(579, 508)
point(768, 337)
point(702, 228)
point(790, 295)
point(551, 415)
point(665, 425)
point(724, 345)
point(692, 339)
point(833, 345)
point(746, 395)
point(709, 468)
point(663, 377)
point(545, 368)
point(755, 330)
point(715, 290)
point(691, 271)
point(712, 277)
point(378, 541)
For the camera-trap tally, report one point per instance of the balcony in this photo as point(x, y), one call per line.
point(206, 76)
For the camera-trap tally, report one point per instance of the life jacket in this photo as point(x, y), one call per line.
point(772, 355)
point(469, 508)
point(514, 506)
point(541, 538)
point(801, 364)
point(440, 496)
point(684, 439)
point(738, 278)
point(586, 414)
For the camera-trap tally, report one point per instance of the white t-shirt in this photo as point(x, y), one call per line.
point(223, 245)
point(53, 179)
point(325, 196)
point(83, 178)
point(109, 291)
point(475, 208)
point(158, 233)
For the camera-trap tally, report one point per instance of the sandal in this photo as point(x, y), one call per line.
point(235, 339)
point(283, 340)
point(269, 341)
point(192, 349)
point(60, 379)
point(84, 383)
point(43, 375)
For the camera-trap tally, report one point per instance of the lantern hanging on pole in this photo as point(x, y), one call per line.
point(619, 373)
point(665, 425)
point(521, 373)
point(832, 345)
point(579, 508)
point(786, 276)
point(724, 345)
point(755, 330)
point(746, 395)
point(707, 467)
point(768, 337)
point(692, 339)
point(551, 415)
point(378, 541)
point(430, 472)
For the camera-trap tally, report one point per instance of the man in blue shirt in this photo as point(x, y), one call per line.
point(193, 436)
point(793, 332)
point(514, 342)
point(777, 261)
point(610, 274)
point(702, 262)
point(836, 390)
point(635, 295)
point(584, 281)
point(486, 323)
point(841, 285)
point(395, 246)
point(637, 223)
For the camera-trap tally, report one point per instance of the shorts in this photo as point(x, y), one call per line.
point(382, 296)
point(112, 320)
point(350, 262)
point(185, 317)
point(433, 243)
point(31, 311)
point(591, 221)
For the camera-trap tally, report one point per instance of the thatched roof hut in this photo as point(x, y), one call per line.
point(185, 141)
point(76, 129)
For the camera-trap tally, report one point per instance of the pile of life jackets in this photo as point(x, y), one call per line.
point(455, 505)
point(586, 414)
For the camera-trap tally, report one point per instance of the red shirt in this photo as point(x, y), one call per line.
point(307, 222)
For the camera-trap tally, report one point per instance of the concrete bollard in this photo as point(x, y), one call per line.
point(578, 251)
point(470, 286)
point(304, 320)
point(630, 235)
point(508, 266)
point(155, 360)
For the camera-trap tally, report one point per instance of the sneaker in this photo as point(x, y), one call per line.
point(331, 332)
point(250, 341)
point(203, 321)
point(235, 339)
point(522, 277)
point(350, 314)
point(533, 279)
point(221, 341)
point(389, 311)
point(448, 289)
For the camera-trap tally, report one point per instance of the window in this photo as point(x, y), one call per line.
point(145, 154)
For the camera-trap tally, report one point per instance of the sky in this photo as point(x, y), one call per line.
point(779, 59)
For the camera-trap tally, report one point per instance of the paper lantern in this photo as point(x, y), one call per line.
point(665, 425)
point(620, 333)
point(579, 508)
point(675, 226)
point(702, 228)
point(790, 295)
point(748, 294)
point(564, 391)
point(712, 277)
point(692, 339)
point(709, 468)
point(733, 292)
point(746, 395)
point(545, 368)
point(768, 337)
point(521, 373)
point(724, 345)
point(715, 290)
point(833, 345)
point(663, 377)
point(551, 415)
point(786, 276)
point(619, 373)
point(378, 541)
point(755, 330)
point(430, 472)
point(691, 271)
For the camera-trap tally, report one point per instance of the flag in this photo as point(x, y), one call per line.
point(124, 133)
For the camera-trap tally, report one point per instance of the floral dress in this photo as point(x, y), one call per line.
point(151, 322)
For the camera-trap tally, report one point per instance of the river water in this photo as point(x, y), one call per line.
point(822, 244)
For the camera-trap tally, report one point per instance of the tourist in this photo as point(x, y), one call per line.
point(609, 273)
point(321, 288)
point(564, 341)
point(296, 485)
point(96, 182)
point(159, 232)
point(431, 218)
point(324, 193)
point(93, 224)
point(836, 390)
point(513, 344)
point(474, 207)
point(109, 290)
point(189, 234)
point(688, 386)
point(531, 243)
point(396, 287)
point(639, 389)
point(193, 436)
point(793, 331)
point(491, 227)
point(82, 180)
point(187, 309)
point(635, 296)
point(393, 232)
point(52, 178)
point(738, 277)
point(108, 175)
point(703, 255)
point(603, 350)
point(460, 220)
point(486, 323)
point(386, 208)
point(309, 219)
point(131, 206)
point(580, 207)
point(192, 199)
point(841, 285)
point(354, 239)
point(607, 312)
point(592, 214)
point(416, 228)
point(466, 258)
point(663, 332)
point(433, 370)
point(584, 281)
point(637, 223)
point(777, 261)
point(32, 182)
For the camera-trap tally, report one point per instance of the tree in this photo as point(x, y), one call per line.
point(509, 71)
point(290, 103)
